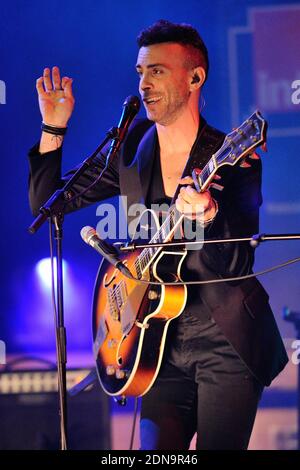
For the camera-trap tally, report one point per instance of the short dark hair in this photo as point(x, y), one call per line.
point(181, 33)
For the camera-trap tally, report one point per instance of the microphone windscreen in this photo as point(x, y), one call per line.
point(132, 102)
point(87, 233)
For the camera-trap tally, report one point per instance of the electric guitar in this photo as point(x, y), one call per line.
point(131, 319)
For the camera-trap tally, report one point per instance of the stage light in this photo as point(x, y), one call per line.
point(43, 269)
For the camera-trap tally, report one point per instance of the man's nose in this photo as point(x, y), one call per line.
point(145, 83)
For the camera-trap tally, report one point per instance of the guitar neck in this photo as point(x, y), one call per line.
point(164, 234)
point(237, 145)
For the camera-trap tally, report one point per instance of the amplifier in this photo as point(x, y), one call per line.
point(29, 409)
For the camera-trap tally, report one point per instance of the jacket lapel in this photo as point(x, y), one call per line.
point(145, 158)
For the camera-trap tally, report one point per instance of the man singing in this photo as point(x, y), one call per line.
point(225, 346)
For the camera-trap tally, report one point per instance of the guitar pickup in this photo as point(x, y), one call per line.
point(100, 336)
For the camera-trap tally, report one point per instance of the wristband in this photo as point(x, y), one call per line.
point(53, 129)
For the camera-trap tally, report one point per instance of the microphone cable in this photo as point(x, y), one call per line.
point(89, 187)
point(216, 281)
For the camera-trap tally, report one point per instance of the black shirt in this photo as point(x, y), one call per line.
point(157, 196)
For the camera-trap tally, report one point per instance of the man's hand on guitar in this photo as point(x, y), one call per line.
point(196, 206)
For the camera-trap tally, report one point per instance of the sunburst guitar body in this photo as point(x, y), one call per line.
point(130, 323)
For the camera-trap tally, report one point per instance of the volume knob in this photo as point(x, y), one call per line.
point(110, 370)
point(152, 295)
point(120, 374)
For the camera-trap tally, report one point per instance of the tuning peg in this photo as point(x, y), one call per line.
point(264, 147)
point(254, 156)
point(217, 177)
point(217, 186)
point(245, 164)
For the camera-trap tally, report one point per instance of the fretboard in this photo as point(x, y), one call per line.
point(164, 234)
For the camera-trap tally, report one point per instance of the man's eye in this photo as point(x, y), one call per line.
point(157, 71)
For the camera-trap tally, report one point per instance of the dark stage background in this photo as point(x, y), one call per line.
point(254, 56)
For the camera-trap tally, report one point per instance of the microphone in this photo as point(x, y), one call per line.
point(131, 107)
point(109, 252)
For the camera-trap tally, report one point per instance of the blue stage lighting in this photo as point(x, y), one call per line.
point(43, 269)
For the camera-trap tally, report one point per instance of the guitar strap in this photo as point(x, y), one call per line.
point(208, 141)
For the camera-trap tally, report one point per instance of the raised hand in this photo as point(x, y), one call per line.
point(56, 98)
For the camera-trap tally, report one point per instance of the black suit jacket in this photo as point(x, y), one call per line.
point(241, 308)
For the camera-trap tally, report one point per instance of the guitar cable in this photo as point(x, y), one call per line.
point(136, 400)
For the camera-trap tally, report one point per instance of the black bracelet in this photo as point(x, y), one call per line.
point(53, 130)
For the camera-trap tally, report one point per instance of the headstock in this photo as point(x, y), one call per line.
point(237, 145)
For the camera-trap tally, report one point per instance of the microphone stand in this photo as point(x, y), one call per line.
point(60, 331)
point(53, 210)
point(294, 317)
point(255, 240)
point(60, 198)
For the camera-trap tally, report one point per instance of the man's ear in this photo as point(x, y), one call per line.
point(198, 78)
